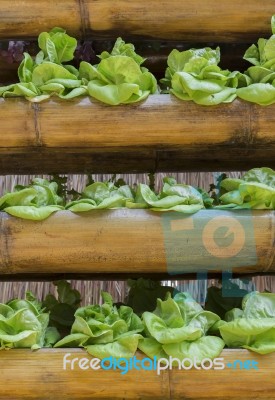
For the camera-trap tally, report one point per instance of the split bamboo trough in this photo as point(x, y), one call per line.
point(126, 241)
point(160, 134)
point(27, 375)
point(237, 20)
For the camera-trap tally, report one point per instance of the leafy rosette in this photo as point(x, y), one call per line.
point(45, 76)
point(178, 327)
point(24, 325)
point(36, 201)
point(253, 326)
point(256, 190)
point(195, 75)
point(105, 330)
point(173, 197)
point(100, 195)
point(261, 76)
point(119, 77)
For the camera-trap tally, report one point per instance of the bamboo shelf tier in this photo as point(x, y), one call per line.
point(40, 375)
point(127, 241)
point(160, 134)
point(191, 20)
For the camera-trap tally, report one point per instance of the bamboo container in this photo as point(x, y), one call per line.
point(159, 134)
point(189, 20)
point(44, 377)
point(138, 241)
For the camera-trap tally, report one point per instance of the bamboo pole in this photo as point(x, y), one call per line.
point(159, 134)
point(27, 18)
point(140, 241)
point(44, 377)
point(198, 21)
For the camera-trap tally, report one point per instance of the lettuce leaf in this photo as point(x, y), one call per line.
point(57, 46)
point(123, 347)
point(200, 349)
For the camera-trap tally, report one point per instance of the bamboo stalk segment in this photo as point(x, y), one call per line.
point(198, 21)
point(17, 124)
point(115, 241)
point(159, 134)
point(27, 18)
point(161, 122)
point(45, 376)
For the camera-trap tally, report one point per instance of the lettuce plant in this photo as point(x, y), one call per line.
point(253, 326)
point(101, 195)
point(195, 75)
point(34, 324)
point(119, 77)
point(23, 324)
point(178, 327)
point(44, 76)
point(260, 77)
point(255, 190)
point(172, 197)
point(105, 330)
point(36, 201)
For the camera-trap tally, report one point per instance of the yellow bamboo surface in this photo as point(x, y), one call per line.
point(160, 121)
point(40, 375)
point(196, 20)
point(27, 18)
point(17, 130)
point(187, 20)
point(159, 134)
point(138, 241)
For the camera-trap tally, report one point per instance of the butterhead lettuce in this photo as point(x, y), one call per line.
point(195, 75)
point(256, 190)
point(119, 77)
point(261, 76)
point(105, 330)
point(253, 327)
point(179, 328)
point(36, 201)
